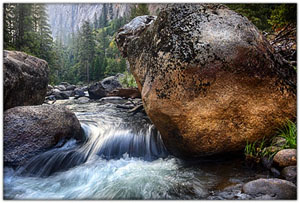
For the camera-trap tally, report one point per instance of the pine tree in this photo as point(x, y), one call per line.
point(24, 27)
point(87, 50)
point(103, 17)
point(8, 25)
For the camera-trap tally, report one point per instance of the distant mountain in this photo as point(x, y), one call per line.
point(66, 18)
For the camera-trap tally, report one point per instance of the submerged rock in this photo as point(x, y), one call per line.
point(290, 173)
point(25, 79)
point(29, 130)
point(286, 157)
point(274, 188)
point(209, 79)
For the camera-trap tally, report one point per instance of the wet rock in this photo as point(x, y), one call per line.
point(267, 162)
point(290, 173)
point(49, 88)
point(96, 91)
point(110, 98)
point(274, 188)
point(69, 93)
point(286, 157)
point(25, 79)
point(111, 83)
point(126, 93)
point(79, 92)
point(275, 172)
point(82, 100)
point(60, 94)
point(204, 88)
point(60, 87)
point(71, 87)
point(29, 130)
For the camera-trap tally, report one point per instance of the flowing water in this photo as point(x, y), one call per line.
point(123, 157)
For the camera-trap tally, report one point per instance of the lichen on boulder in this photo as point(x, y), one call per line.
point(209, 79)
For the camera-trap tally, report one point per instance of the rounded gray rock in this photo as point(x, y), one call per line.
point(274, 188)
point(29, 130)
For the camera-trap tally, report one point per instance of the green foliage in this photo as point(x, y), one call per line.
point(283, 15)
point(289, 132)
point(258, 14)
point(128, 80)
point(267, 16)
point(26, 29)
point(255, 149)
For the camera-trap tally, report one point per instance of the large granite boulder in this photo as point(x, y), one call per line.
point(209, 79)
point(29, 130)
point(25, 79)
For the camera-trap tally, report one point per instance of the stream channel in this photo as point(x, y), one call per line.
point(123, 157)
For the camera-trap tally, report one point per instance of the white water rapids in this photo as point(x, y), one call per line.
point(122, 158)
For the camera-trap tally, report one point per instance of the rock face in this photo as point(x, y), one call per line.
point(286, 157)
point(29, 130)
point(274, 188)
point(25, 79)
point(209, 80)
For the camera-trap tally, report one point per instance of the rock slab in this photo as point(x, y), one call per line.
point(25, 79)
point(29, 130)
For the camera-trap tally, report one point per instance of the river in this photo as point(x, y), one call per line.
point(123, 157)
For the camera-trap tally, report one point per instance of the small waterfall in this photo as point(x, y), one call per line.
point(106, 140)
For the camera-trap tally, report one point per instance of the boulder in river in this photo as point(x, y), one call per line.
point(286, 157)
point(25, 79)
point(208, 78)
point(273, 187)
point(96, 91)
point(111, 83)
point(29, 130)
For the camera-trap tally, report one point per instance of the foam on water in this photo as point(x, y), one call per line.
point(98, 178)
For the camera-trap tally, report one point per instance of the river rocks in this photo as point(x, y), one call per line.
point(290, 173)
point(274, 188)
point(70, 87)
point(29, 130)
point(79, 92)
point(25, 79)
point(286, 157)
point(96, 91)
point(111, 83)
point(82, 100)
point(126, 93)
point(60, 94)
point(208, 78)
